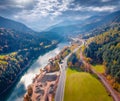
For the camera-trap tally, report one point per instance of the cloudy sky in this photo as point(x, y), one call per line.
point(40, 14)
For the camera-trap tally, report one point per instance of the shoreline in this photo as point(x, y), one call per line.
point(4, 94)
point(45, 83)
point(52, 78)
point(22, 70)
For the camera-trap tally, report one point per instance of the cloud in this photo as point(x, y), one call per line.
point(43, 13)
point(93, 8)
point(43, 8)
point(105, 0)
point(104, 8)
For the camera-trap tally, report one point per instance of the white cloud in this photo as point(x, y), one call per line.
point(81, 17)
point(45, 12)
point(104, 8)
point(44, 8)
point(92, 8)
point(23, 2)
point(105, 0)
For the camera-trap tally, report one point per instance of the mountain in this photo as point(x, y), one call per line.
point(108, 22)
point(14, 25)
point(87, 25)
point(105, 21)
point(113, 17)
point(69, 27)
point(12, 40)
point(64, 23)
point(17, 36)
point(51, 35)
point(72, 22)
point(17, 52)
point(105, 49)
point(19, 47)
point(65, 30)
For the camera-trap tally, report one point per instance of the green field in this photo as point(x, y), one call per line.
point(99, 68)
point(81, 86)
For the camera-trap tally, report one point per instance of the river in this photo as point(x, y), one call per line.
point(26, 79)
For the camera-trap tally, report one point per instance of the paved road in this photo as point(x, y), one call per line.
point(61, 84)
point(102, 79)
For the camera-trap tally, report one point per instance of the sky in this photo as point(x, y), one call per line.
point(41, 14)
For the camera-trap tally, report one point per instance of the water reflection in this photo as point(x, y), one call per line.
point(26, 79)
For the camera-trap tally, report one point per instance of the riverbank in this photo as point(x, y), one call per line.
point(17, 92)
point(7, 91)
point(45, 83)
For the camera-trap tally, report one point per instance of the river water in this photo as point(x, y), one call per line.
point(26, 79)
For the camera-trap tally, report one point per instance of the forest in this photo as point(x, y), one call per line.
point(18, 50)
point(105, 49)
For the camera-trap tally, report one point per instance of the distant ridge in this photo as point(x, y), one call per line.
point(88, 24)
point(14, 25)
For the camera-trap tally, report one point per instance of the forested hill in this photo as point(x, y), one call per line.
point(16, 36)
point(90, 25)
point(12, 40)
point(105, 49)
point(19, 46)
point(14, 25)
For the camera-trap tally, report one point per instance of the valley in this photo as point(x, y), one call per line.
point(58, 50)
point(19, 89)
point(18, 50)
point(84, 86)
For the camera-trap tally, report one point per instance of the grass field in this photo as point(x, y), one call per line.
point(99, 68)
point(73, 47)
point(81, 86)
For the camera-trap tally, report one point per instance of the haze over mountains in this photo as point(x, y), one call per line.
point(31, 28)
point(80, 27)
point(19, 44)
point(19, 47)
point(10, 24)
point(67, 26)
point(15, 31)
point(52, 12)
point(15, 35)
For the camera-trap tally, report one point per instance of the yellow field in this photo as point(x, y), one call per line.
point(81, 86)
point(99, 68)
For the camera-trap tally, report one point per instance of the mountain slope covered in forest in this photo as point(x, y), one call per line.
point(105, 49)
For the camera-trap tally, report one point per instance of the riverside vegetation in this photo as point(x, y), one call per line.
point(105, 49)
point(18, 49)
point(82, 85)
point(45, 83)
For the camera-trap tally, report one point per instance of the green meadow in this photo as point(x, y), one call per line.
point(99, 68)
point(82, 86)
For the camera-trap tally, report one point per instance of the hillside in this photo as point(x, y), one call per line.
point(17, 53)
point(14, 25)
point(12, 40)
point(19, 48)
point(105, 49)
point(86, 26)
point(105, 21)
point(50, 36)
point(17, 36)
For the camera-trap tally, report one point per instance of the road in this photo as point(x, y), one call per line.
point(61, 84)
point(102, 79)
